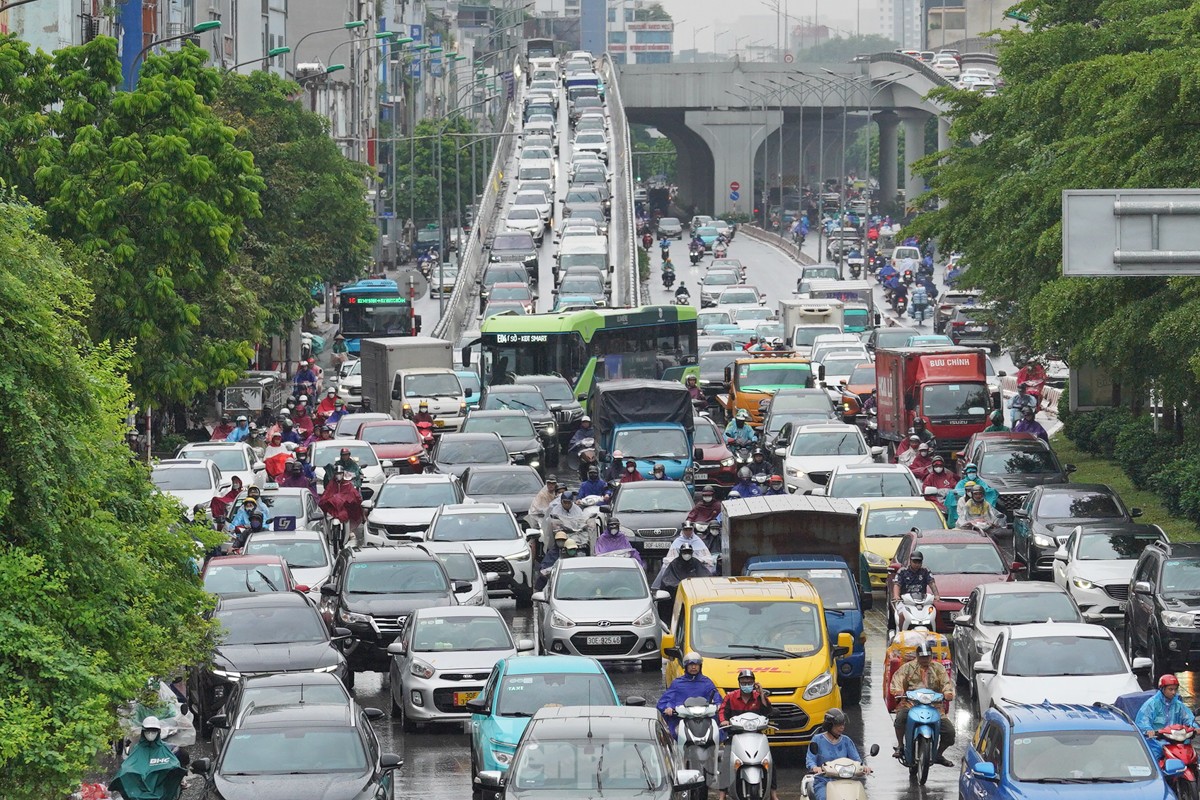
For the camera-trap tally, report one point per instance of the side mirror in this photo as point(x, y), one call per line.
point(397, 649)
point(1020, 513)
point(259, 466)
point(1069, 468)
point(462, 587)
point(866, 600)
point(819, 491)
point(874, 750)
point(396, 394)
point(635, 700)
point(1017, 566)
point(688, 779)
point(525, 645)
point(390, 761)
point(477, 705)
point(329, 591)
point(469, 393)
point(219, 721)
point(373, 713)
point(1001, 374)
point(1142, 664)
point(336, 318)
point(490, 778)
point(368, 504)
point(963, 620)
point(698, 454)
point(1060, 554)
point(1173, 766)
point(781, 452)
point(342, 633)
point(491, 577)
point(1135, 512)
point(1142, 587)
point(984, 667)
point(203, 765)
point(538, 597)
point(987, 770)
point(662, 595)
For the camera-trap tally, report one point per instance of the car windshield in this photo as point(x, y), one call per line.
point(872, 484)
point(620, 767)
point(707, 318)
point(863, 375)
point(474, 527)
point(459, 566)
point(181, 479)
point(893, 337)
point(830, 273)
point(568, 260)
point(396, 577)
point(847, 443)
point(600, 583)
point(1025, 608)
point(428, 235)
point(470, 380)
point(535, 174)
point(270, 625)
point(1114, 546)
point(1063, 505)
point(523, 695)
point(1181, 576)
point(390, 434)
point(768, 376)
point(524, 212)
point(1018, 462)
point(472, 451)
point(735, 296)
point(556, 391)
point(504, 483)
point(840, 366)
point(883, 523)
point(1081, 756)
point(349, 423)
point(511, 241)
point(707, 434)
point(782, 628)
point(325, 694)
point(708, 232)
point(1049, 656)
point(964, 558)
point(801, 401)
point(962, 400)
point(227, 459)
point(834, 585)
point(435, 384)
point(244, 578)
point(517, 401)
point(663, 443)
point(671, 497)
point(298, 553)
point(803, 337)
point(284, 505)
point(515, 427)
point(362, 453)
point(296, 751)
point(713, 364)
point(498, 308)
point(495, 276)
point(435, 634)
point(416, 495)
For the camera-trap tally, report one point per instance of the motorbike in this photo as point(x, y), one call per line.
point(900, 304)
point(913, 612)
point(845, 778)
point(581, 456)
point(647, 241)
point(922, 732)
point(855, 269)
point(425, 431)
point(906, 277)
point(750, 758)
point(719, 251)
point(869, 423)
point(919, 313)
point(665, 248)
point(668, 277)
point(1177, 744)
point(336, 535)
point(427, 261)
point(697, 739)
point(695, 254)
point(684, 299)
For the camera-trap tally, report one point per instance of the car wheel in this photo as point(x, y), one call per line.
point(397, 708)
point(406, 724)
point(852, 691)
point(652, 664)
point(349, 679)
point(1127, 640)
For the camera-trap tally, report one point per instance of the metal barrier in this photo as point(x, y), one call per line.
point(622, 233)
point(912, 63)
point(472, 258)
point(786, 246)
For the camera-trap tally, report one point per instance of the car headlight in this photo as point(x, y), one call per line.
point(477, 600)
point(1083, 583)
point(557, 620)
point(227, 674)
point(550, 429)
point(792, 473)
point(819, 687)
point(330, 668)
point(1178, 619)
point(350, 616)
point(646, 620)
point(421, 669)
point(1042, 540)
point(520, 557)
point(876, 560)
point(503, 758)
point(728, 462)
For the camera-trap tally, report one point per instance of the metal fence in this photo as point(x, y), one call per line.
point(622, 233)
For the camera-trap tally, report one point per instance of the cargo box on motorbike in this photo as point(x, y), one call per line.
point(947, 386)
point(903, 649)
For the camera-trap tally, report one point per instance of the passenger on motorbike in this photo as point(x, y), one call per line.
point(1032, 373)
point(241, 431)
point(687, 538)
point(920, 429)
point(242, 518)
point(752, 343)
point(612, 541)
point(692, 683)
point(342, 501)
point(631, 474)
point(658, 473)
point(593, 486)
point(919, 302)
point(829, 745)
point(973, 507)
point(997, 426)
point(748, 699)
point(346, 462)
point(695, 393)
point(294, 477)
point(707, 508)
point(922, 673)
point(305, 380)
point(913, 579)
point(906, 452)
point(1019, 402)
point(921, 465)
point(738, 431)
point(1029, 424)
point(746, 487)
point(758, 463)
point(551, 557)
point(696, 242)
point(303, 422)
point(584, 431)
point(221, 431)
point(1162, 709)
point(940, 478)
point(775, 487)
point(256, 524)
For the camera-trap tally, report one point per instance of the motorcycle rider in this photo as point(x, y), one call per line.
point(678, 570)
point(346, 462)
point(775, 487)
point(339, 412)
point(921, 429)
point(707, 508)
point(692, 683)
point(566, 515)
point(746, 487)
point(658, 473)
point(758, 463)
point(241, 431)
point(613, 541)
point(593, 486)
point(342, 501)
point(328, 405)
point(1162, 709)
point(830, 745)
point(422, 415)
point(694, 391)
point(921, 465)
point(545, 496)
point(750, 698)
point(548, 561)
point(222, 430)
point(997, 420)
point(303, 422)
point(970, 474)
point(973, 507)
point(250, 506)
point(919, 303)
point(738, 432)
point(913, 579)
point(1033, 372)
point(687, 538)
point(922, 673)
point(341, 353)
point(1029, 424)
point(1019, 402)
point(170, 767)
point(682, 295)
point(584, 431)
point(940, 478)
point(631, 474)
point(288, 432)
point(255, 525)
point(908, 450)
point(294, 477)
point(305, 379)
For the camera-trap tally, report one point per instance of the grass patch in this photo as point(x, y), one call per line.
point(1093, 469)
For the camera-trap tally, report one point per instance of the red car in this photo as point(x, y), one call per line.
point(231, 576)
point(960, 560)
point(971, 452)
point(716, 468)
point(397, 442)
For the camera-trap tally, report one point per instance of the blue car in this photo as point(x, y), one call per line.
point(1056, 751)
point(708, 234)
point(517, 688)
point(469, 379)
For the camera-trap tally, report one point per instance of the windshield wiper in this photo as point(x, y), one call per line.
point(516, 713)
point(1080, 780)
point(762, 649)
point(260, 574)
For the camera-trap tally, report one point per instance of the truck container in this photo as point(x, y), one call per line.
point(857, 298)
point(385, 362)
point(814, 539)
point(796, 313)
point(649, 421)
point(947, 386)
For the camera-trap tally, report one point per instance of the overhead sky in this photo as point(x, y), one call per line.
point(757, 18)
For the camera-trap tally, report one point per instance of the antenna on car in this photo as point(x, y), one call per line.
point(589, 716)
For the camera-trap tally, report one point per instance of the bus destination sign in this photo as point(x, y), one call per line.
point(377, 301)
point(521, 338)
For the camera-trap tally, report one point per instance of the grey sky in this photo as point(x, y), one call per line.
point(757, 19)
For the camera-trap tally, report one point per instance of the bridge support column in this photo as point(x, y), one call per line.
point(888, 147)
point(914, 150)
point(733, 137)
point(943, 145)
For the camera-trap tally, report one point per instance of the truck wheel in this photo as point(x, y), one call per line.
point(852, 691)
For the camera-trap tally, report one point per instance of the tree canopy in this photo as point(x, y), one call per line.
point(417, 175)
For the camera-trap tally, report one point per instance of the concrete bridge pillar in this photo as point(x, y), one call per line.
point(733, 137)
point(914, 150)
point(888, 146)
point(943, 145)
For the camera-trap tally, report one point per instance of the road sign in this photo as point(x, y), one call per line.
point(1126, 232)
point(734, 186)
point(788, 58)
point(734, 195)
point(435, 40)
point(415, 32)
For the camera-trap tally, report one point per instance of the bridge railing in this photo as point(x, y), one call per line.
point(622, 228)
point(912, 63)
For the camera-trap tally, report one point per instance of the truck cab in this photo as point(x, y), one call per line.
point(437, 386)
point(757, 377)
point(947, 386)
point(649, 421)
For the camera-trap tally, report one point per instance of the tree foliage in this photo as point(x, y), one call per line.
point(1099, 94)
point(97, 587)
point(417, 174)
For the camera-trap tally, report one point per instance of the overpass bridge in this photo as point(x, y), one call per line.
point(760, 125)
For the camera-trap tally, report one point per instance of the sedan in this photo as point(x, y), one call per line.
point(535, 200)
point(454, 452)
point(528, 219)
point(402, 510)
point(716, 465)
point(191, 481)
point(961, 561)
point(306, 554)
point(670, 228)
point(745, 295)
point(284, 689)
point(653, 512)
point(397, 443)
point(815, 450)
point(583, 286)
point(234, 459)
point(239, 575)
point(1050, 513)
point(708, 235)
point(1096, 564)
point(517, 293)
point(515, 430)
point(462, 567)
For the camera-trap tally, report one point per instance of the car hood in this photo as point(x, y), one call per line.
point(287, 657)
point(1060, 529)
point(390, 451)
point(499, 548)
point(1106, 572)
point(590, 612)
point(478, 661)
point(1010, 481)
point(882, 545)
point(962, 584)
point(310, 576)
point(314, 786)
point(519, 503)
point(634, 520)
point(1181, 603)
point(191, 498)
point(521, 444)
point(1064, 689)
point(401, 516)
point(393, 605)
point(824, 463)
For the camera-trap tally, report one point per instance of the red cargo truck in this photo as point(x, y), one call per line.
point(946, 386)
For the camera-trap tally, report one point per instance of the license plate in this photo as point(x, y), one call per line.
point(604, 640)
point(665, 544)
point(439, 423)
point(701, 476)
point(391, 470)
point(974, 329)
point(462, 698)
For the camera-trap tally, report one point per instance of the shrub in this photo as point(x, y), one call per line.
point(1096, 431)
point(1140, 452)
point(1178, 483)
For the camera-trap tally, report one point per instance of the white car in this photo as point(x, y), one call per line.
point(972, 74)
point(536, 154)
point(1096, 564)
point(306, 553)
point(461, 565)
point(191, 481)
point(1066, 662)
point(302, 504)
point(532, 199)
point(324, 453)
point(350, 384)
point(403, 509)
point(744, 295)
point(859, 482)
point(754, 314)
point(591, 142)
point(526, 218)
point(838, 366)
point(947, 66)
point(234, 459)
point(496, 539)
point(815, 450)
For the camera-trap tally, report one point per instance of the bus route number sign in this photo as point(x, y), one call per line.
point(521, 338)
point(378, 301)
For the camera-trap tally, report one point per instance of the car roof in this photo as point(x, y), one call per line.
point(206, 445)
point(300, 716)
point(1047, 716)
point(552, 664)
point(599, 722)
point(472, 508)
point(1077, 488)
point(1021, 587)
point(1182, 549)
point(404, 552)
point(423, 477)
point(888, 468)
point(521, 388)
point(266, 600)
point(1043, 630)
point(325, 444)
point(823, 427)
point(895, 502)
point(497, 412)
point(233, 561)
point(183, 462)
point(587, 562)
point(479, 469)
point(285, 491)
point(747, 587)
point(1124, 528)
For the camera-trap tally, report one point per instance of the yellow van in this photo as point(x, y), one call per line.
point(883, 522)
point(774, 626)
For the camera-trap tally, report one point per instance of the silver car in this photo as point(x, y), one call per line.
point(461, 565)
point(603, 608)
point(441, 660)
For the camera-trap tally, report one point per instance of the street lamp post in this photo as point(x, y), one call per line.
point(695, 49)
point(349, 26)
point(202, 27)
point(275, 51)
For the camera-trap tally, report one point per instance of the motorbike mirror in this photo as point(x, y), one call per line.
point(698, 454)
point(874, 750)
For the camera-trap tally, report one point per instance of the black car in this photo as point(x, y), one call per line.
point(974, 326)
point(888, 338)
point(1050, 513)
point(514, 486)
point(712, 372)
point(562, 401)
point(515, 430)
point(263, 634)
point(373, 590)
point(453, 453)
point(1164, 606)
point(283, 689)
point(517, 246)
point(527, 398)
point(1015, 466)
point(307, 749)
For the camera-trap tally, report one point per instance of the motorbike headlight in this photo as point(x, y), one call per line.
point(819, 686)
point(421, 669)
point(550, 429)
point(1042, 540)
point(1083, 583)
point(350, 616)
point(876, 560)
point(646, 620)
point(1178, 619)
point(728, 462)
point(557, 620)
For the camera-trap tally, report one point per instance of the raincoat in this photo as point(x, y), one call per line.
point(616, 544)
point(342, 501)
point(150, 772)
point(684, 687)
point(1157, 713)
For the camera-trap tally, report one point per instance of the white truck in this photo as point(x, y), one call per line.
point(400, 372)
point(826, 314)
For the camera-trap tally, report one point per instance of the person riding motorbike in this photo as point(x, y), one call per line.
point(775, 487)
point(422, 415)
point(738, 432)
point(749, 698)
point(1033, 374)
point(584, 431)
point(593, 486)
point(289, 433)
point(695, 393)
point(346, 462)
point(328, 405)
point(681, 291)
point(294, 477)
point(553, 553)
point(1019, 402)
point(919, 302)
point(913, 579)
point(341, 353)
point(242, 518)
point(303, 421)
point(921, 465)
point(342, 410)
point(696, 242)
point(305, 380)
point(678, 570)
point(692, 683)
point(257, 523)
point(1164, 708)
point(241, 431)
point(940, 478)
point(970, 474)
point(1029, 424)
point(921, 429)
point(758, 463)
point(997, 420)
point(341, 500)
point(830, 744)
point(973, 507)
point(221, 431)
point(746, 487)
point(151, 762)
point(658, 473)
point(922, 673)
point(631, 474)
point(707, 507)
point(613, 541)
point(544, 497)
point(907, 451)
point(687, 538)
point(886, 273)
point(566, 515)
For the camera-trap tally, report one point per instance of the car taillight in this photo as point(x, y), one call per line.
point(958, 324)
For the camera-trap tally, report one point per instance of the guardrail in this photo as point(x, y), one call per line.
point(914, 63)
point(622, 233)
point(779, 242)
point(472, 259)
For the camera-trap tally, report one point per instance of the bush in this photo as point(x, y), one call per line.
point(1178, 483)
point(1140, 452)
point(1096, 431)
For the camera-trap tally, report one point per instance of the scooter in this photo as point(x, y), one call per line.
point(907, 277)
point(425, 431)
point(719, 251)
point(647, 241)
point(855, 269)
point(750, 757)
point(900, 304)
point(684, 299)
point(1177, 744)
point(913, 612)
point(697, 738)
point(695, 254)
point(665, 247)
point(922, 733)
point(668, 277)
point(582, 456)
point(919, 312)
point(845, 778)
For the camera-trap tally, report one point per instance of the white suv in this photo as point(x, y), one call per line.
point(234, 459)
point(815, 450)
point(859, 482)
point(498, 542)
point(1096, 565)
point(404, 507)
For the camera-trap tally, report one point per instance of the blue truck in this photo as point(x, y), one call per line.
point(649, 421)
point(815, 539)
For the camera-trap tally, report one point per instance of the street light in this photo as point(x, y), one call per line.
point(695, 49)
point(331, 68)
point(202, 27)
point(348, 26)
point(274, 51)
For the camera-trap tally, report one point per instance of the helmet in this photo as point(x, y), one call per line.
point(423, 404)
point(285, 412)
point(939, 460)
point(734, 494)
point(758, 451)
point(969, 485)
point(151, 723)
point(743, 415)
point(692, 657)
point(618, 455)
point(777, 341)
point(690, 379)
point(924, 447)
point(925, 648)
point(976, 488)
point(744, 474)
point(659, 468)
point(1167, 680)
point(745, 673)
point(685, 548)
point(585, 418)
point(776, 479)
point(753, 337)
point(258, 515)
point(997, 417)
point(835, 716)
point(345, 451)
point(918, 422)
point(971, 467)
point(593, 470)
point(917, 556)
point(613, 522)
point(242, 418)
point(331, 391)
point(688, 525)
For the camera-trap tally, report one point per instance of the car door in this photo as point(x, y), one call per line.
point(963, 637)
point(988, 747)
point(1062, 566)
point(1138, 618)
point(1021, 522)
point(329, 602)
point(399, 665)
point(984, 683)
point(481, 724)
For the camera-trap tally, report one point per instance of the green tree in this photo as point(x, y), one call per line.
point(315, 223)
point(652, 13)
point(840, 50)
point(417, 174)
point(98, 591)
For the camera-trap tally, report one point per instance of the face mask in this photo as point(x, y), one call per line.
point(939, 469)
point(571, 553)
point(746, 688)
point(150, 736)
point(630, 470)
point(686, 556)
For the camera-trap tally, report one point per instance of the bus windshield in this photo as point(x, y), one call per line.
point(375, 315)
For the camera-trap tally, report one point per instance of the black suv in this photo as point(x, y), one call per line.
point(373, 590)
point(1014, 466)
point(974, 326)
point(1162, 615)
point(523, 397)
point(563, 402)
point(515, 246)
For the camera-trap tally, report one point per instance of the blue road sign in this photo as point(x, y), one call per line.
point(435, 40)
point(414, 69)
point(734, 195)
point(415, 32)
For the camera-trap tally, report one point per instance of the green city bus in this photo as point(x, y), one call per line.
point(597, 344)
